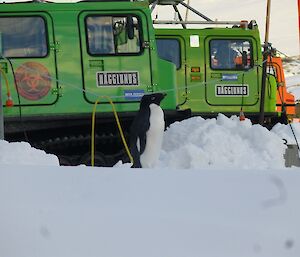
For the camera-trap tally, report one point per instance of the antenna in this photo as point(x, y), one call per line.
point(187, 11)
point(264, 70)
point(299, 19)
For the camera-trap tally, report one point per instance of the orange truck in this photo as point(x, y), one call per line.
point(284, 98)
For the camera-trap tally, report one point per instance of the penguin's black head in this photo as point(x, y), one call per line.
point(155, 98)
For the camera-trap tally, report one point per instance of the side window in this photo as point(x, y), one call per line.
point(169, 50)
point(23, 36)
point(230, 54)
point(108, 35)
point(271, 70)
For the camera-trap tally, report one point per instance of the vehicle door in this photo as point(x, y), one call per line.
point(28, 58)
point(172, 48)
point(231, 77)
point(115, 59)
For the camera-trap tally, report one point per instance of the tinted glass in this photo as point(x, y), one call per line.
point(271, 70)
point(169, 50)
point(23, 36)
point(107, 35)
point(231, 54)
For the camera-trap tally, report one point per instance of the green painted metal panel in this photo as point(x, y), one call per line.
point(115, 73)
point(33, 64)
point(72, 70)
point(203, 81)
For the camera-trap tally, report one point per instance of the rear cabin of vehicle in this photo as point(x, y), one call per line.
point(218, 70)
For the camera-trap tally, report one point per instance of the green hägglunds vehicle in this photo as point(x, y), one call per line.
point(59, 59)
point(218, 69)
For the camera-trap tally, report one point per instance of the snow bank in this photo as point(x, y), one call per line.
point(286, 132)
point(291, 66)
point(293, 86)
point(194, 143)
point(21, 153)
point(221, 143)
point(292, 75)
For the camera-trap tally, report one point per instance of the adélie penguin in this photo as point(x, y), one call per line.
point(147, 130)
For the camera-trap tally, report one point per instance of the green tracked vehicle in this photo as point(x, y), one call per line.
point(62, 62)
point(218, 71)
point(218, 66)
point(60, 58)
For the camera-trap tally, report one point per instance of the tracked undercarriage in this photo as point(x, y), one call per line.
point(70, 138)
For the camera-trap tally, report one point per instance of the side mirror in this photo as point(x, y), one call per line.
point(244, 59)
point(130, 27)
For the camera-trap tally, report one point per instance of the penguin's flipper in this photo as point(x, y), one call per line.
point(142, 142)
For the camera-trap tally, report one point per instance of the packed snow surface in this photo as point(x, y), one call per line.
point(219, 189)
point(83, 211)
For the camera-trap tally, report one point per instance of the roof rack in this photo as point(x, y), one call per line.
point(174, 4)
point(234, 23)
point(46, 1)
point(105, 1)
point(207, 21)
point(26, 2)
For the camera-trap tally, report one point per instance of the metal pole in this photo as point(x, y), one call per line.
point(195, 11)
point(264, 69)
point(187, 10)
point(197, 22)
point(267, 21)
point(153, 6)
point(299, 19)
point(179, 15)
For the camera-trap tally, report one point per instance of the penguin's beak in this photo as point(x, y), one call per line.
point(164, 94)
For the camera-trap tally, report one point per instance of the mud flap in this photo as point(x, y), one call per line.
point(291, 156)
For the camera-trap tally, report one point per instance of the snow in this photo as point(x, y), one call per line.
point(114, 212)
point(293, 86)
point(21, 153)
point(221, 143)
point(292, 75)
point(291, 67)
point(194, 143)
point(219, 189)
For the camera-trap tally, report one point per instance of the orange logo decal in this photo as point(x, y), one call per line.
point(33, 80)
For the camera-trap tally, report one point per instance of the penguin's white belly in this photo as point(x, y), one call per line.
point(154, 137)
